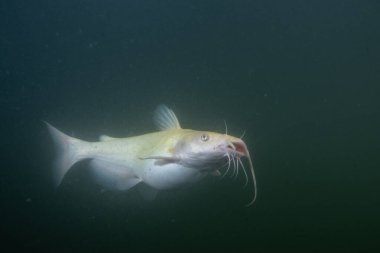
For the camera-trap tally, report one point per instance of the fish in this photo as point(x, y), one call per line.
point(170, 158)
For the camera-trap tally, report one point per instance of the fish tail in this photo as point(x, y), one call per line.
point(69, 152)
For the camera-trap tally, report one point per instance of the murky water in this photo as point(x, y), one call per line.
point(300, 78)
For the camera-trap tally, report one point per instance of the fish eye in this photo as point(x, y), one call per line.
point(204, 137)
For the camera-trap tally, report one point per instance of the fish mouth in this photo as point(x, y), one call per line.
point(237, 148)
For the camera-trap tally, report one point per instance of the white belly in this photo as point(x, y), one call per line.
point(116, 171)
point(168, 176)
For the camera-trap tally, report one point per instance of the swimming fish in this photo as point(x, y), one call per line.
point(168, 159)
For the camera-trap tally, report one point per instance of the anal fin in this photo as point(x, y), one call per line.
point(147, 192)
point(113, 176)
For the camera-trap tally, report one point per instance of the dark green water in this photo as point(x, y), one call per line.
point(300, 77)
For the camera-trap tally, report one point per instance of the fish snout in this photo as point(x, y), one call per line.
point(236, 147)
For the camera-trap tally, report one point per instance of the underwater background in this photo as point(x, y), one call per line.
point(301, 78)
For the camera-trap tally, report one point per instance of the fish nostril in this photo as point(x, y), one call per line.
point(230, 146)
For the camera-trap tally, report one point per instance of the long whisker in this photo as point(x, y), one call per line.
point(245, 173)
point(242, 136)
point(229, 165)
point(237, 167)
point(234, 168)
point(225, 124)
point(253, 179)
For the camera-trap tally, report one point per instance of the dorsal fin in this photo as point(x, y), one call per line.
point(165, 119)
point(106, 138)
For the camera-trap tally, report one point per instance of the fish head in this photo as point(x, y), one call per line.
point(207, 150)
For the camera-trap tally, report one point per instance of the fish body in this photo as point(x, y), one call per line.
point(163, 160)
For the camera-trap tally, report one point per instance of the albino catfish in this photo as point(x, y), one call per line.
point(170, 158)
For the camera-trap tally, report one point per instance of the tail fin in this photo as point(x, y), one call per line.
point(69, 151)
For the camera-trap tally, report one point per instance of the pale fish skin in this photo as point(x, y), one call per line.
point(163, 160)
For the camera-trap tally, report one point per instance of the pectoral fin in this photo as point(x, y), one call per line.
point(162, 160)
point(158, 157)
